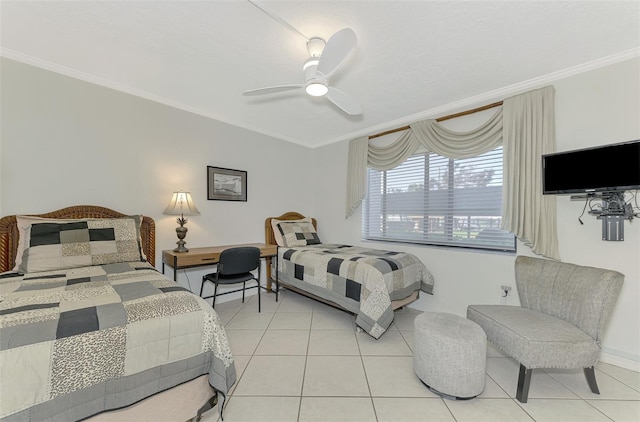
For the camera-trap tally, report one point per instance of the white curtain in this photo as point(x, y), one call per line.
point(528, 133)
point(526, 213)
point(357, 173)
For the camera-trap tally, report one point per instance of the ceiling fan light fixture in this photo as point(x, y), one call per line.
point(316, 89)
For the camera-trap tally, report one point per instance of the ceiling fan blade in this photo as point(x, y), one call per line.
point(346, 102)
point(272, 89)
point(336, 51)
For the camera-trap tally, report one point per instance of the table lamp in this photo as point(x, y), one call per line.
point(181, 204)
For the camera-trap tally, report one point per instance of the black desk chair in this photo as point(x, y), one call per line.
point(235, 266)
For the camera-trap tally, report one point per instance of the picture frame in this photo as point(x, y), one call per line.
point(226, 184)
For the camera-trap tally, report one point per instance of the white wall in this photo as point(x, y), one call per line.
point(597, 107)
point(67, 142)
point(594, 108)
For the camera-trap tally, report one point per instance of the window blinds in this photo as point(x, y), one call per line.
point(431, 199)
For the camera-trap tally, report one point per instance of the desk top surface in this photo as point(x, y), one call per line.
point(215, 250)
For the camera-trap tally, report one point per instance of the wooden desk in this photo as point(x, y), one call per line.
point(200, 257)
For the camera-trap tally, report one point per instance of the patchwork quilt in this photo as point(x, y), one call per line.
point(364, 281)
point(79, 341)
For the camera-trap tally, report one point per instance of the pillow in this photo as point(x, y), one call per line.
point(24, 223)
point(297, 233)
point(276, 231)
point(55, 245)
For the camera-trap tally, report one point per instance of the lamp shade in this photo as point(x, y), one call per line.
point(181, 204)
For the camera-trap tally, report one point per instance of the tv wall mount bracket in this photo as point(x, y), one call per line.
point(613, 212)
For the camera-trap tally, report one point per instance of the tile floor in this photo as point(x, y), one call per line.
point(300, 360)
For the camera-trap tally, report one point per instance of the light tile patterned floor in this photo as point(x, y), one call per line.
point(306, 362)
point(300, 360)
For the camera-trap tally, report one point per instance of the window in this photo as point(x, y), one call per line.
point(435, 200)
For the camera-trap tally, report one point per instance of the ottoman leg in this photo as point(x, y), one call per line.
point(448, 396)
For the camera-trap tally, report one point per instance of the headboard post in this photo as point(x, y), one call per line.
point(9, 231)
point(8, 242)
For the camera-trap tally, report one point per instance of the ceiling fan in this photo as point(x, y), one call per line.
point(326, 59)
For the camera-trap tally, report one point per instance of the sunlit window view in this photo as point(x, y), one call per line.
point(431, 199)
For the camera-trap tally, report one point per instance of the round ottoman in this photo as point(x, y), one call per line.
point(450, 354)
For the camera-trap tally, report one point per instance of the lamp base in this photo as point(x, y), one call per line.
point(182, 232)
point(181, 247)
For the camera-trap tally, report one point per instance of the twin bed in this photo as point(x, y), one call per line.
point(87, 324)
point(369, 283)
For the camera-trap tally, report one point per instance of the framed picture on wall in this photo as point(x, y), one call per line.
point(226, 184)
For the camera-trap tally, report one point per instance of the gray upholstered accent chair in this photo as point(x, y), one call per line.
point(563, 313)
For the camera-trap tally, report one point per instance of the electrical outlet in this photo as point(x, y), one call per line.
point(505, 293)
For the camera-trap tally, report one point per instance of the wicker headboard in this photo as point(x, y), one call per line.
point(9, 231)
point(269, 238)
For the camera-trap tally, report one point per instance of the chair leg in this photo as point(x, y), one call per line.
point(258, 295)
point(258, 281)
point(215, 292)
point(202, 286)
point(590, 373)
point(243, 286)
point(277, 278)
point(524, 379)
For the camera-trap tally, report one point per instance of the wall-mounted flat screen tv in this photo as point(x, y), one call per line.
point(607, 168)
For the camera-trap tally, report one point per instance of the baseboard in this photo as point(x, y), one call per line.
point(621, 359)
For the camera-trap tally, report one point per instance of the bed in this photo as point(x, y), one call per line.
point(369, 283)
point(87, 324)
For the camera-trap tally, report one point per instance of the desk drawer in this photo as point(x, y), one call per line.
point(188, 260)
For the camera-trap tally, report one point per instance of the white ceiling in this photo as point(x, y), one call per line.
point(414, 59)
